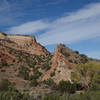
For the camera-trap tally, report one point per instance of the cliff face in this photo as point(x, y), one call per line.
point(63, 60)
point(18, 54)
point(25, 43)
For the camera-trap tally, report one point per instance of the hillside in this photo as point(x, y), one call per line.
point(20, 52)
point(29, 66)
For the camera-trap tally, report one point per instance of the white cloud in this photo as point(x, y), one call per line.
point(88, 11)
point(29, 27)
point(82, 24)
point(79, 25)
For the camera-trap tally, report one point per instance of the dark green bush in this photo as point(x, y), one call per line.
point(95, 84)
point(76, 52)
point(75, 62)
point(4, 84)
point(48, 82)
point(66, 86)
point(84, 58)
point(70, 60)
point(33, 82)
point(2, 70)
point(45, 66)
point(52, 74)
point(24, 72)
point(4, 63)
point(36, 75)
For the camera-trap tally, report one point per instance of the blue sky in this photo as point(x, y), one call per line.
point(75, 23)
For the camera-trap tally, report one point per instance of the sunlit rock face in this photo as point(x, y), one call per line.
point(27, 43)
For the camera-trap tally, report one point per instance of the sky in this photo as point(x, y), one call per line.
point(75, 23)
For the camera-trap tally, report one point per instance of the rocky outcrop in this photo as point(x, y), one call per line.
point(59, 58)
point(63, 60)
point(26, 43)
point(60, 66)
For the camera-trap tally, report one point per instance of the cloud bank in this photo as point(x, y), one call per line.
point(29, 27)
point(75, 26)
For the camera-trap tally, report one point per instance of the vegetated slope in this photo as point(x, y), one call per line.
point(63, 60)
point(29, 66)
point(19, 57)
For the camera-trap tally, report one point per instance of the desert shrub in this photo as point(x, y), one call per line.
point(88, 69)
point(52, 74)
point(70, 60)
point(0, 66)
point(24, 72)
point(4, 63)
point(75, 62)
point(66, 86)
point(59, 71)
point(48, 82)
point(45, 66)
point(14, 60)
point(83, 68)
point(76, 52)
point(75, 77)
point(88, 95)
point(33, 82)
point(34, 78)
point(84, 58)
point(95, 83)
point(4, 84)
point(51, 96)
point(96, 77)
point(63, 50)
point(94, 86)
point(36, 75)
point(2, 70)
